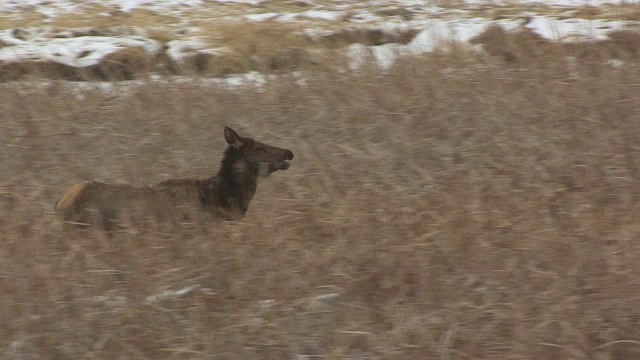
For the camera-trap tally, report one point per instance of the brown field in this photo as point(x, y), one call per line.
point(455, 208)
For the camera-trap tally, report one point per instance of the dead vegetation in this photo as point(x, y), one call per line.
point(234, 45)
point(271, 47)
point(450, 209)
point(526, 46)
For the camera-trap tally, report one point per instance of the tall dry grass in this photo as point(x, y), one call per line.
point(453, 209)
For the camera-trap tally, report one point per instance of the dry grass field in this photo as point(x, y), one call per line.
point(454, 208)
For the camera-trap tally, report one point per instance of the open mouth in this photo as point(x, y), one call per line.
point(283, 165)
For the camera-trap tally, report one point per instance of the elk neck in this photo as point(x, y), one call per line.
point(238, 182)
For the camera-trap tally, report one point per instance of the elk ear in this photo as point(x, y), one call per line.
point(232, 138)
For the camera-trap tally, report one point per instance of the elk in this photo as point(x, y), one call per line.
point(225, 196)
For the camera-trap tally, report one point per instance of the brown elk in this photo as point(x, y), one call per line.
point(225, 196)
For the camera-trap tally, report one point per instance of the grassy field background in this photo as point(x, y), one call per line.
point(455, 208)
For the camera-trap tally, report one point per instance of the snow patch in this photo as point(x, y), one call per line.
point(248, 2)
point(566, 3)
point(358, 56)
point(78, 52)
point(386, 55)
point(437, 31)
point(573, 29)
point(44, 44)
point(363, 16)
point(261, 17)
point(323, 15)
point(177, 49)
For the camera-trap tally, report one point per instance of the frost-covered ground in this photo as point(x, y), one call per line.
point(83, 34)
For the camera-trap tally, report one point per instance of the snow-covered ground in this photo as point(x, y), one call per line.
point(53, 7)
point(567, 3)
point(41, 38)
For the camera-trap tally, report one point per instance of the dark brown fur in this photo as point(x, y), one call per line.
point(225, 196)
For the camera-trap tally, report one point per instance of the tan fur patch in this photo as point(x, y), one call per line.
point(70, 197)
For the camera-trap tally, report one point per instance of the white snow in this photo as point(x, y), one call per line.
point(323, 15)
point(573, 29)
point(287, 17)
point(435, 24)
point(249, 2)
point(79, 52)
point(387, 54)
point(567, 3)
point(51, 8)
point(363, 16)
point(177, 49)
point(358, 56)
point(261, 17)
point(437, 31)
point(156, 5)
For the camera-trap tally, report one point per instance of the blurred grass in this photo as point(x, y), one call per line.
point(457, 207)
